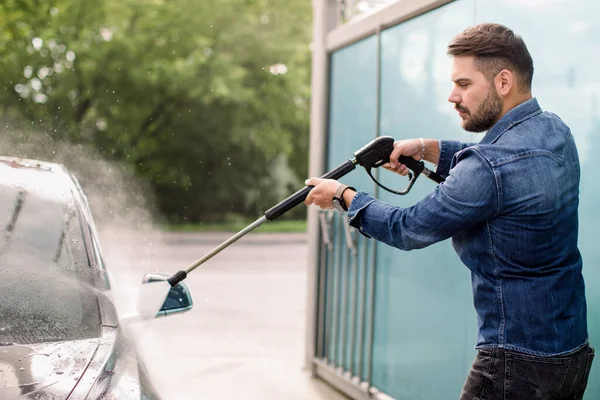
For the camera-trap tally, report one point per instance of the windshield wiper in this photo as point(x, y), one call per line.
point(6, 344)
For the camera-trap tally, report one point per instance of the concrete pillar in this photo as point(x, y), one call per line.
point(326, 16)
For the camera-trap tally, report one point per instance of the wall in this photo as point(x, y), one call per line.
point(424, 322)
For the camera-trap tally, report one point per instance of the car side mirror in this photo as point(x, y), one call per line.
point(178, 299)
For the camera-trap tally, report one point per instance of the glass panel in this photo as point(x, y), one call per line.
point(352, 124)
point(425, 325)
point(353, 109)
point(566, 56)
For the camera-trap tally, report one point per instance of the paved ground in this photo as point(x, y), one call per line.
point(244, 339)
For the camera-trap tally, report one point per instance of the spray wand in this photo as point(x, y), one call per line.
point(373, 155)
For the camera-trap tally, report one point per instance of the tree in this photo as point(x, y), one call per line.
point(208, 100)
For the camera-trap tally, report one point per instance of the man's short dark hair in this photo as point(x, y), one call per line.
point(495, 48)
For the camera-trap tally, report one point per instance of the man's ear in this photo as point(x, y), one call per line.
point(504, 82)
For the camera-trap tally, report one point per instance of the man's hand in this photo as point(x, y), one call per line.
point(322, 193)
point(409, 148)
point(412, 148)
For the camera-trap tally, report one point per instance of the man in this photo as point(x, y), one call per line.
point(509, 203)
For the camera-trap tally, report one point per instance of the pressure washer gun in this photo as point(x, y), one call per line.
point(372, 155)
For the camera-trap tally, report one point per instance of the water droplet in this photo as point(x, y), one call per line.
point(21, 369)
point(37, 43)
point(59, 372)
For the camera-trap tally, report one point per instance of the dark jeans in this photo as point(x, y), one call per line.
point(499, 374)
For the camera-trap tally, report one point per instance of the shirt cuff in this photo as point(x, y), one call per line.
point(360, 201)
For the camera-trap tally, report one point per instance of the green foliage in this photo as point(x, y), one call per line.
point(180, 90)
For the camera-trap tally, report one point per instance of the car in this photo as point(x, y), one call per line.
point(60, 333)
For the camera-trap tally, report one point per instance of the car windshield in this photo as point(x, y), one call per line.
point(46, 289)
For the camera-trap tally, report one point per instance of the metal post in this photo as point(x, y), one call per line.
point(374, 255)
point(371, 321)
point(325, 18)
point(328, 285)
point(335, 293)
point(344, 291)
point(320, 345)
point(354, 298)
point(351, 243)
point(326, 246)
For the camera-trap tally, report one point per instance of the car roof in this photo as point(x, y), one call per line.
point(46, 179)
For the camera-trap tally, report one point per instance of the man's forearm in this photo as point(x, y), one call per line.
point(432, 150)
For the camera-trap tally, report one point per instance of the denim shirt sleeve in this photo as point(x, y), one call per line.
point(447, 150)
point(468, 196)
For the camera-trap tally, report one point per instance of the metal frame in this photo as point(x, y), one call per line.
point(347, 385)
point(385, 17)
point(328, 36)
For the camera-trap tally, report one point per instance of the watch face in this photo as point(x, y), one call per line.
point(337, 204)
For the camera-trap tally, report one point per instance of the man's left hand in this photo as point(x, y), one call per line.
point(322, 193)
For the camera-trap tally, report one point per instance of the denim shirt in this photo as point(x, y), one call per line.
point(509, 203)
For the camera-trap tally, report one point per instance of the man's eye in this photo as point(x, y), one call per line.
point(463, 85)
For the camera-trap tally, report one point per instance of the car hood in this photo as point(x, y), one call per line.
point(46, 370)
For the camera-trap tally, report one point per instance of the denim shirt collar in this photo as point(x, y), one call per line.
point(514, 116)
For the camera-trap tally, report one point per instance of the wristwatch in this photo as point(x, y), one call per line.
point(338, 198)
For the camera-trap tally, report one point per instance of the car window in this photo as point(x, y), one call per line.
point(47, 286)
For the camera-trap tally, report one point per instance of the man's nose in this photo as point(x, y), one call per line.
point(454, 97)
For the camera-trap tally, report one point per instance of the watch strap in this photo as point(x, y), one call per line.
point(340, 191)
point(339, 195)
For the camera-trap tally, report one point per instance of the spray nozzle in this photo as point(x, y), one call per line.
point(178, 277)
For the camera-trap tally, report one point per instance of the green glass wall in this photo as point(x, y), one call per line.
point(347, 264)
point(564, 41)
point(424, 327)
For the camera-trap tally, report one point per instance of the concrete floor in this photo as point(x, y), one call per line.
point(244, 338)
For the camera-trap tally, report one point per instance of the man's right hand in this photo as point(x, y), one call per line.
point(412, 148)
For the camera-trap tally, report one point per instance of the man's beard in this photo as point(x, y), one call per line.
point(486, 114)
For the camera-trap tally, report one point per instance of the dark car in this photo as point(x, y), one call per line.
point(60, 336)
